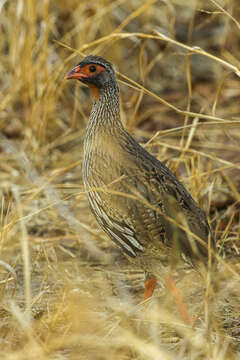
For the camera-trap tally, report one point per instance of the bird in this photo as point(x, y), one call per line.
point(138, 202)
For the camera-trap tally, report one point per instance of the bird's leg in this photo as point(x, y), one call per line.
point(150, 284)
point(187, 318)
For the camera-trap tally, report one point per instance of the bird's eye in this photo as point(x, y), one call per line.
point(92, 68)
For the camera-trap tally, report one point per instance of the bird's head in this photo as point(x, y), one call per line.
point(94, 71)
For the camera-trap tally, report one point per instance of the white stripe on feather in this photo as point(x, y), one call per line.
point(126, 246)
point(134, 242)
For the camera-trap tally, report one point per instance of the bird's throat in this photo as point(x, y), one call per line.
point(95, 90)
point(105, 114)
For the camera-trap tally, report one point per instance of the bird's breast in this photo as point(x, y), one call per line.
point(102, 162)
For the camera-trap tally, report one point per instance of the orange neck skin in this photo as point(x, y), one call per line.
point(95, 90)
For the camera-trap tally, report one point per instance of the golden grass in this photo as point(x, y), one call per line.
point(66, 291)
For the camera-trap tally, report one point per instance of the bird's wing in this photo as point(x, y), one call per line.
point(159, 186)
point(182, 210)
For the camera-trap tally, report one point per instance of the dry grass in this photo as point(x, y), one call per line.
point(66, 291)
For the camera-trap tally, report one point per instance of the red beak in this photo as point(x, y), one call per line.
point(76, 73)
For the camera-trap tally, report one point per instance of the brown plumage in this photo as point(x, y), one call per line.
point(135, 198)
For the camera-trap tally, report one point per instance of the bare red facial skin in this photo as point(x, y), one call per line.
point(85, 72)
point(88, 69)
point(95, 90)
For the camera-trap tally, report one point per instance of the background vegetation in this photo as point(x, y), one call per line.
point(66, 291)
